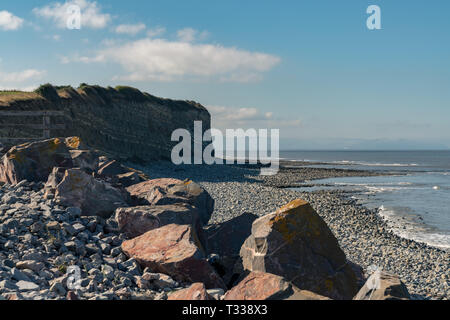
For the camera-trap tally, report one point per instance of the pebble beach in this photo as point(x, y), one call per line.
point(362, 233)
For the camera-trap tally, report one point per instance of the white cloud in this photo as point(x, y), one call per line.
point(8, 21)
point(232, 118)
point(163, 60)
point(156, 32)
point(21, 76)
point(131, 29)
point(91, 15)
point(191, 35)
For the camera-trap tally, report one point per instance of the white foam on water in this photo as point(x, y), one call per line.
point(413, 231)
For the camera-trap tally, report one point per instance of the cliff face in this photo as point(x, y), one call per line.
point(121, 121)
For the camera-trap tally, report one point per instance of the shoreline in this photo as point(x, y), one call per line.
point(362, 233)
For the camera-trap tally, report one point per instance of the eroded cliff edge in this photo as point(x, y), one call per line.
point(121, 121)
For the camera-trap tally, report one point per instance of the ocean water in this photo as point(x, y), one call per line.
point(414, 200)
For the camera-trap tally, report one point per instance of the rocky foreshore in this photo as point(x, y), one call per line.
point(75, 224)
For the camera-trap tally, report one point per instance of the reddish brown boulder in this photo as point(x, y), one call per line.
point(176, 251)
point(171, 191)
point(135, 221)
point(34, 161)
point(266, 286)
point(94, 197)
point(296, 243)
point(197, 291)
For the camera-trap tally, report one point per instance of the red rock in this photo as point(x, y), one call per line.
point(174, 250)
point(135, 221)
point(167, 191)
point(197, 291)
point(266, 286)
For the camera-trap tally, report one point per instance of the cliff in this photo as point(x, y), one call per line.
point(121, 121)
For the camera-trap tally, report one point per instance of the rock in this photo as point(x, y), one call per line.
point(34, 161)
point(94, 197)
point(85, 159)
point(176, 251)
point(159, 280)
point(30, 265)
point(135, 221)
point(216, 294)
point(128, 179)
point(58, 288)
point(111, 169)
point(6, 284)
point(19, 275)
point(382, 285)
point(72, 296)
point(296, 243)
point(260, 286)
point(196, 291)
point(168, 191)
point(266, 286)
point(27, 286)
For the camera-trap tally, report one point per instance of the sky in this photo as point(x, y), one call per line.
point(309, 68)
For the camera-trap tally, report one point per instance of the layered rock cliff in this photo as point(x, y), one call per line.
point(121, 121)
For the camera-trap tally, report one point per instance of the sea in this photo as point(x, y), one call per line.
point(414, 199)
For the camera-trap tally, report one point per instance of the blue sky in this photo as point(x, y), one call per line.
point(310, 68)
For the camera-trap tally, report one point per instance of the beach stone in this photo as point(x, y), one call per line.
point(168, 191)
point(176, 251)
point(135, 221)
point(26, 286)
point(92, 196)
point(196, 291)
point(30, 265)
point(296, 243)
point(382, 285)
point(34, 161)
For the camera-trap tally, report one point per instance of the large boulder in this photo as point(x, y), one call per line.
point(171, 191)
point(79, 189)
point(266, 286)
point(135, 221)
point(196, 291)
point(296, 243)
point(174, 250)
point(382, 285)
point(34, 161)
